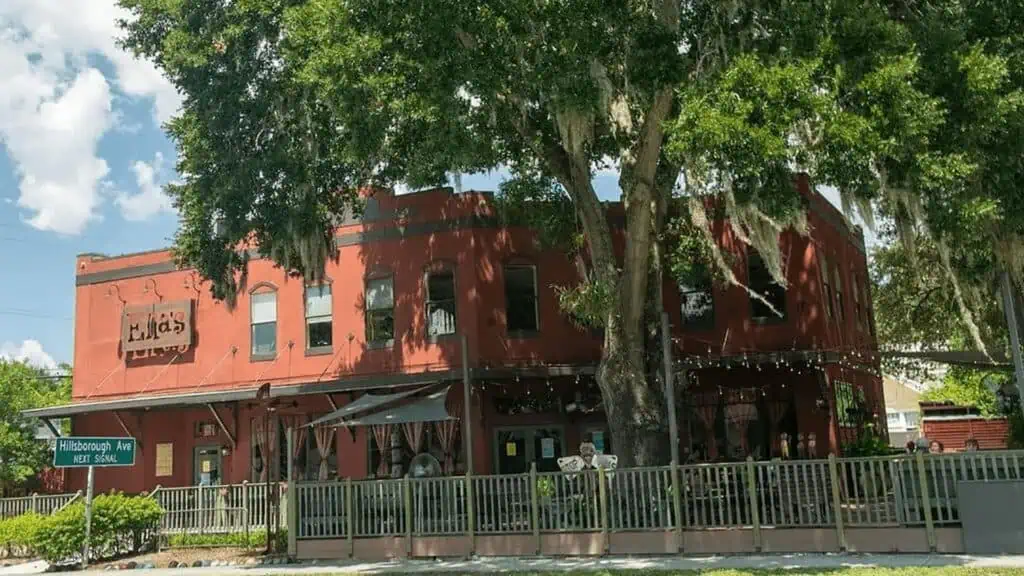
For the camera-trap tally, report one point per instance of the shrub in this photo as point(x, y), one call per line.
point(255, 539)
point(120, 524)
point(18, 534)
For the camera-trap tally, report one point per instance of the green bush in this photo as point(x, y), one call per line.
point(255, 539)
point(120, 524)
point(18, 534)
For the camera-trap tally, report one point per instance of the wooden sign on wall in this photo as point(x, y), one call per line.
point(162, 325)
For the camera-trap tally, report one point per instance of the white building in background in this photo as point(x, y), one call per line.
point(902, 410)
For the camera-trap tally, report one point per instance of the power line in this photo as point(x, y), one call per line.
point(31, 314)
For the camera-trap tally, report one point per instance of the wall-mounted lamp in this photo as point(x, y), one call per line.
point(225, 451)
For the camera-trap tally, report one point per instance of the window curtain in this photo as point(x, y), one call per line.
point(382, 435)
point(324, 436)
point(446, 434)
point(776, 412)
point(413, 435)
point(296, 422)
point(261, 436)
point(707, 413)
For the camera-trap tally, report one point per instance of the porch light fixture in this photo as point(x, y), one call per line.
point(225, 451)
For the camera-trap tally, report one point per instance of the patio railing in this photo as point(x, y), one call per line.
point(853, 492)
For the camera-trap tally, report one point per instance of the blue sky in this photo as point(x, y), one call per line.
point(82, 164)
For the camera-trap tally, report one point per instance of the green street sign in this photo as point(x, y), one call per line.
point(85, 452)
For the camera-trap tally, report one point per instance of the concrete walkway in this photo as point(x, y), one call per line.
point(499, 565)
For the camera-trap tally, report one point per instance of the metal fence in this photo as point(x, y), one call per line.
point(231, 508)
point(858, 492)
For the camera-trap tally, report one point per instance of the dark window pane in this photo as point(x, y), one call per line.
point(319, 335)
point(761, 282)
point(441, 303)
point(380, 325)
point(521, 298)
point(441, 286)
point(264, 339)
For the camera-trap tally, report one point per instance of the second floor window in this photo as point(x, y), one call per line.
point(380, 310)
point(441, 303)
point(840, 311)
point(826, 283)
point(697, 303)
point(318, 317)
point(263, 314)
point(761, 282)
point(521, 298)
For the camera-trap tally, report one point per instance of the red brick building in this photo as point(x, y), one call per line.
point(158, 359)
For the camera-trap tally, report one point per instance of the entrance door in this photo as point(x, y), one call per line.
point(517, 448)
point(206, 466)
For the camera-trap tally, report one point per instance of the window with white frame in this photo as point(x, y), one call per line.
point(521, 297)
point(263, 316)
point(441, 303)
point(380, 310)
point(319, 324)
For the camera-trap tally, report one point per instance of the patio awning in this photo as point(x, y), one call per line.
point(399, 408)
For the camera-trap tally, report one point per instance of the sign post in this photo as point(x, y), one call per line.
point(90, 453)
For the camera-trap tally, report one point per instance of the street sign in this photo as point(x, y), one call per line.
point(87, 452)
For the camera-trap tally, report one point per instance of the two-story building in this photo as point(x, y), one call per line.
point(157, 358)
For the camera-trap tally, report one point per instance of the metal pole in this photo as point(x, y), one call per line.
point(88, 515)
point(1011, 323)
point(467, 441)
point(467, 428)
point(670, 392)
point(268, 450)
point(290, 516)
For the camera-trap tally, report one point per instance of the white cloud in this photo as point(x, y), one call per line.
point(29, 351)
point(150, 200)
point(55, 105)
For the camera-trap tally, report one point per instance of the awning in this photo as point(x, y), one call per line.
point(239, 394)
point(401, 408)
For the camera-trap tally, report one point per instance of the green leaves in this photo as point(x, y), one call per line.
point(120, 524)
point(23, 387)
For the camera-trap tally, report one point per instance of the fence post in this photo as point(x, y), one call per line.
point(677, 504)
point(470, 514)
point(535, 505)
point(755, 517)
point(245, 511)
point(926, 502)
point(407, 485)
point(35, 503)
point(837, 505)
point(602, 490)
point(350, 518)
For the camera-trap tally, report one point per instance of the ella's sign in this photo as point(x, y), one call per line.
point(84, 452)
point(161, 325)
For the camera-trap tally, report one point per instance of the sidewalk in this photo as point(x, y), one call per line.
point(500, 565)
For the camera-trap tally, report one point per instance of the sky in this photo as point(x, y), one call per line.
point(83, 162)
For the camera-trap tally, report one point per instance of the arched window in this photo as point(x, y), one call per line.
point(263, 321)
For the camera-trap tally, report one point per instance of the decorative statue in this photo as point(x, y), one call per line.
point(812, 445)
point(801, 448)
point(784, 445)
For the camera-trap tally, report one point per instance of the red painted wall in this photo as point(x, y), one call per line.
point(477, 254)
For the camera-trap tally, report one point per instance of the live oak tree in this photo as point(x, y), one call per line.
point(23, 387)
point(704, 107)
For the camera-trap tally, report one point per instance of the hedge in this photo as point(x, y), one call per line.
point(120, 525)
point(18, 534)
point(255, 539)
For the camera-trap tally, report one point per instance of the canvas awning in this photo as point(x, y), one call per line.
point(398, 408)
